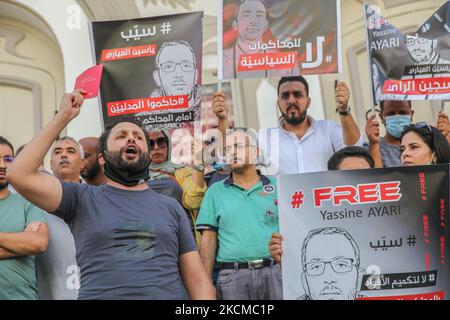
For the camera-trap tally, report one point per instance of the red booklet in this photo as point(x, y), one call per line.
point(89, 80)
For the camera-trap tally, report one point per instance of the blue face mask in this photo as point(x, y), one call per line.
point(217, 166)
point(396, 124)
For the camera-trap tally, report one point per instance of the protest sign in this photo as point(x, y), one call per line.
point(409, 67)
point(273, 38)
point(152, 69)
point(366, 234)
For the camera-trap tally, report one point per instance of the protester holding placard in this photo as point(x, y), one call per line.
point(395, 115)
point(301, 143)
point(306, 144)
point(140, 246)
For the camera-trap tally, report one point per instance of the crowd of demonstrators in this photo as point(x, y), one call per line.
point(301, 144)
point(186, 184)
point(131, 243)
point(130, 218)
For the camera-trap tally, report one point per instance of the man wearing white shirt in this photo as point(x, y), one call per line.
point(300, 143)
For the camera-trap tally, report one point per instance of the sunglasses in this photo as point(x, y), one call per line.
point(161, 142)
point(421, 125)
point(7, 159)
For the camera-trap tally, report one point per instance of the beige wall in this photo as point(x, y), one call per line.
point(31, 79)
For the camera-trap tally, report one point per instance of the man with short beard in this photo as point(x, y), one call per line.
point(92, 172)
point(23, 233)
point(301, 144)
point(131, 242)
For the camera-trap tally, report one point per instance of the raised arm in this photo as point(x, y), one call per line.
point(39, 188)
point(350, 130)
point(443, 125)
point(373, 134)
point(220, 109)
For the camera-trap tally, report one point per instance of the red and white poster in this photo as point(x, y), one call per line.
point(412, 66)
point(152, 69)
point(274, 38)
point(366, 234)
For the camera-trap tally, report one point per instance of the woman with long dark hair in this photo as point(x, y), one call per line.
point(422, 144)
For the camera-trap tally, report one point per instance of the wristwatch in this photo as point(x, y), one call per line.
point(199, 167)
point(346, 112)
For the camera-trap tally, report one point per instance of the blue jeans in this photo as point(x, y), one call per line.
point(250, 284)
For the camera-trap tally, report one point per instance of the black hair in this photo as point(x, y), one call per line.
point(5, 141)
point(294, 79)
point(105, 135)
point(165, 137)
point(349, 152)
point(434, 139)
point(19, 150)
point(383, 102)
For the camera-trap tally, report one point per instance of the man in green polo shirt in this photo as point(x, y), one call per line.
point(238, 216)
point(23, 233)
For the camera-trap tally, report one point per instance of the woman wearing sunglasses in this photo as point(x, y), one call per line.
point(183, 183)
point(422, 144)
